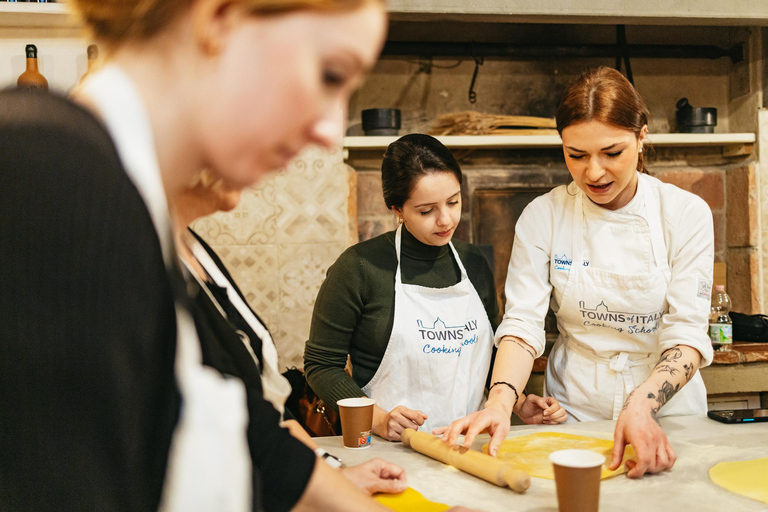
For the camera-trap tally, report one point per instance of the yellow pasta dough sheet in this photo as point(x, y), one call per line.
point(748, 477)
point(531, 453)
point(409, 500)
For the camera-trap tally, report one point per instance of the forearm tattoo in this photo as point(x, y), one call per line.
point(663, 396)
point(522, 345)
point(629, 397)
point(672, 355)
point(526, 348)
point(667, 368)
point(688, 371)
point(670, 363)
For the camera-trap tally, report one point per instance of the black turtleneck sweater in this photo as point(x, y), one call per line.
point(355, 307)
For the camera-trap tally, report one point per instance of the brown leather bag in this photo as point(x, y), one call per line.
point(308, 409)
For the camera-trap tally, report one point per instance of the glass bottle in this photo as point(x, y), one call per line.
point(720, 325)
point(31, 78)
point(93, 55)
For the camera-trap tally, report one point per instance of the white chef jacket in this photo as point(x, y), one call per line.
point(541, 257)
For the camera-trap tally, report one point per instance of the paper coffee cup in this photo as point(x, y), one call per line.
point(577, 479)
point(356, 421)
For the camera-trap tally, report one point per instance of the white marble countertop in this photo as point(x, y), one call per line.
point(699, 442)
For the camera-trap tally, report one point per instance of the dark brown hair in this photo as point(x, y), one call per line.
point(408, 159)
point(603, 94)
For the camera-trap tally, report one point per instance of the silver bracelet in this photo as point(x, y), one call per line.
point(329, 459)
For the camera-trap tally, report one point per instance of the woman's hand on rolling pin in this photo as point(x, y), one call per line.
point(494, 420)
point(389, 425)
point(536, 410)
point(377, 475)
point(637, 426)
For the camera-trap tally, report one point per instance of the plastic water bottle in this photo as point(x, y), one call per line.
point(720, 326)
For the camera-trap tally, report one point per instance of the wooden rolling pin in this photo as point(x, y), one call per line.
point(473, 462)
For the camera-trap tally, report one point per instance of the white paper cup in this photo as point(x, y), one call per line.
point(577, 479)
point(356, 421)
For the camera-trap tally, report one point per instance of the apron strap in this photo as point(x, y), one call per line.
point(275, 387)
point(619, 363)
point(220, 279)
point(578, 239)
point(655, 226)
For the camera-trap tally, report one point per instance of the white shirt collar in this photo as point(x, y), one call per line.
point(635, 206)
point(123, 112)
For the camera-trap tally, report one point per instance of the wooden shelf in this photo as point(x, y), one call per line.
point(629, 12)
point(35, 15)
point(733, 144)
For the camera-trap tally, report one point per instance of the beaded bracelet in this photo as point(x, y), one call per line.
point(517, 396)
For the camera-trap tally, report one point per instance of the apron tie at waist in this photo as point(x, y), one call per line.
point(620, 363)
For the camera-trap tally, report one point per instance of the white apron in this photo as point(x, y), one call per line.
point(209, 463)
point(598, 304)
point(439, 352)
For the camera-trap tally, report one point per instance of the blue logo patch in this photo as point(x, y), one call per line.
point(562, 262)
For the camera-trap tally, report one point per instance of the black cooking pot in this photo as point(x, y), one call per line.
point(381, 121)
point(695, 120)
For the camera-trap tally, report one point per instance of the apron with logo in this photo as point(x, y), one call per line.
point(624, 308)
point(439, 352)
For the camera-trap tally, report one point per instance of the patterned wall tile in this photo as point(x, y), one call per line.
point(255, 269)
point(302, 271)
point(254, 221)
point(313, 195)
point(290, 337)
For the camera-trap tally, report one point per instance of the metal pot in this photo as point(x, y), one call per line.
point(695, 120)
point(381, 121)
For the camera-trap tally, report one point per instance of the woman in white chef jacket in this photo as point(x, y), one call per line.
point(626, 263)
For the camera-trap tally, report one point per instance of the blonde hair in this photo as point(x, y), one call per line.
point(114, 22)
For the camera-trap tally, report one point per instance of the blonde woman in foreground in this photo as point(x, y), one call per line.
point(106, 404)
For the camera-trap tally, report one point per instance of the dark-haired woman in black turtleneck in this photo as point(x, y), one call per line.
point(414, 310)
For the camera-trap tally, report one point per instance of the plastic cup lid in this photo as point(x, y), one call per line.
point(577, 458)
point(355, 402)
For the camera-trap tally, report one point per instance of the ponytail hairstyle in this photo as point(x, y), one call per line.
point(603, 94)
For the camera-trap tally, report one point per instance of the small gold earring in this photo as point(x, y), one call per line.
point(212, 48)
